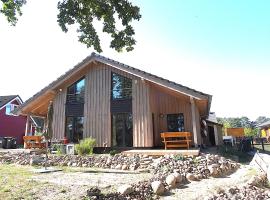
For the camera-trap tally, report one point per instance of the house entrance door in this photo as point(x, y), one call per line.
point(122, 131)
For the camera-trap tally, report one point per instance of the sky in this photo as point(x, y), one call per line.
point(218, 47)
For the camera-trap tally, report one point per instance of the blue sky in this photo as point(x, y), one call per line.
point(218, 47)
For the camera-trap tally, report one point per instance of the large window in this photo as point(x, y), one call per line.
point(175, 122)
point(121, 87)
point(75, 92)
point(74, 129)
point(122, 132)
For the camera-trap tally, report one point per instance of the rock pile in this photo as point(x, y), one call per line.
point(195, 168)
point(254, 189)
point(138, 191)
point(248, 192)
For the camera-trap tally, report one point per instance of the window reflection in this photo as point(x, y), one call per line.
point(75, 92)
point(175, 122)
point(121, 87)
point(74, 129)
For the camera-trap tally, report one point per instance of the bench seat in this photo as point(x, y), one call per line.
point(176, 139)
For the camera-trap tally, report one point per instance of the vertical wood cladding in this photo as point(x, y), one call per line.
point(97, 112)
point(59, 115)
point(163, 103)
point(142, 116)
point(146, 100)
point(97, 119)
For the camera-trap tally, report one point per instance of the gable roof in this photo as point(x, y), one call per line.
point(265, 124)
point(4, 100)
point(137, 72)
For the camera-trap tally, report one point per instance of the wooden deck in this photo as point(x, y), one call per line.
point(162, 152)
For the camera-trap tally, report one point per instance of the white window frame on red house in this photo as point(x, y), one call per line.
point(11, 108)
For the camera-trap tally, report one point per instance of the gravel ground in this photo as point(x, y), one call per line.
point(200, 189)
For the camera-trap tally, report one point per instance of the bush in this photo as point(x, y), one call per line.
point(113, 152)
point(86, 146)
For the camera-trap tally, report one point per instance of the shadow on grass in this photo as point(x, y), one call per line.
point(234, 154)
point(258, 148)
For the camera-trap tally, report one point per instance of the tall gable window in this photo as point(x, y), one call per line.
point(121, 87)
point(74, 111)
point(10, 107)
point(175, 122)
point(75, 92)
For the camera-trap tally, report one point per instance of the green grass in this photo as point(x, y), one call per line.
point(232, 153)
point(16, 183)
point(259, 147)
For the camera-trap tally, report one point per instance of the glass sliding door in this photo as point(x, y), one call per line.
point(122, 130)
point(74, 129)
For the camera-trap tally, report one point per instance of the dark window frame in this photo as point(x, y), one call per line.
point(124, 143)
point(73, 123)
point(75, 97)
point(179, 121)
point(113, 98)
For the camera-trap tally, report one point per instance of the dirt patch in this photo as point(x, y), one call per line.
point(75, 184)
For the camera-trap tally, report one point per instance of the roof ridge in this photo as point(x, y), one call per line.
point(104, 59)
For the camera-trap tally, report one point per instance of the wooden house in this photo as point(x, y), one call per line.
point(118, 105)
point(265, 129)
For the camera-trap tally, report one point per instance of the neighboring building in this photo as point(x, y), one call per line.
point(235, 132)
point(10, 124)
point(214, 131)
point(265, 129)
point(118, 105)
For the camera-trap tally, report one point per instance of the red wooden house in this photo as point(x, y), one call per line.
point(12, 125)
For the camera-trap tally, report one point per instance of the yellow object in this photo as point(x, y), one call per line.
point(263, 132)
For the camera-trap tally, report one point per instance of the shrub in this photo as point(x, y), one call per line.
point(113, 152)
point(85, 146)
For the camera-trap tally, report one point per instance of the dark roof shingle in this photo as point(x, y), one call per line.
point(5, 99)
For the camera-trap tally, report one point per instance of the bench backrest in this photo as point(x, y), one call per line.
point(35, 138)
point(175, 134)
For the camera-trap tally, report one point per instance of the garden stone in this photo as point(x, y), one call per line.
point(84, 165)
point(191, 177)
point(158, 187)
point(171, 180)
point(36, 160)
point(213, 170)
point(124, 167)
point(118, 166)
point(125, 189)
point(178, 177)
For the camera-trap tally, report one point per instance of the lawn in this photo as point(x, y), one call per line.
point(16, 183)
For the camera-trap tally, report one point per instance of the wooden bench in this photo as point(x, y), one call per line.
point(33, 142)
point(176, 139)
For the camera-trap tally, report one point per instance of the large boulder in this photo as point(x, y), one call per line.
point(213, 170)
point(171, 180)
point(125, 189)
point(158, 187)
point(191, 177)
point(178, 177)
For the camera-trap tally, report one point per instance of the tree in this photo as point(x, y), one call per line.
point(83, 13)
